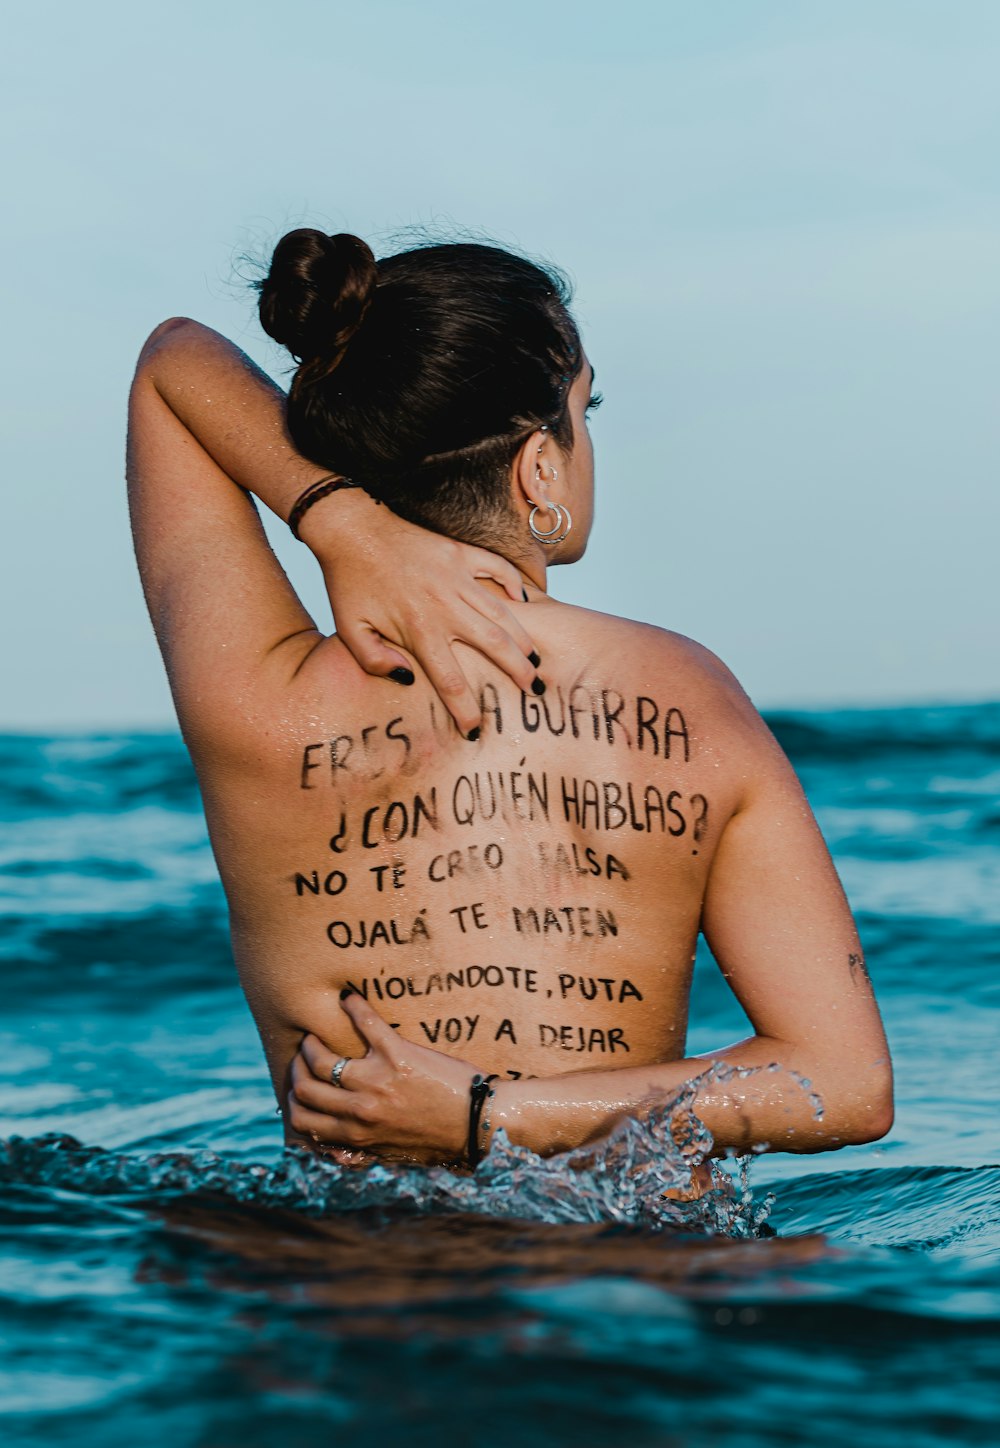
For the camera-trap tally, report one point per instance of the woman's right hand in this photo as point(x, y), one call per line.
point(393, 583)
point(399, 1101)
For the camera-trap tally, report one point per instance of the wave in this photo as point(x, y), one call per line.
point(158, 953)
point(926, 1209)
point(623, 1179)
point(835, 735)
point(105, 773)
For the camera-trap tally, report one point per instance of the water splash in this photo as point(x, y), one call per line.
point(624, 1178)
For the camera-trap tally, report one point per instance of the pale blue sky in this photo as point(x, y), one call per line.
point(782, 220)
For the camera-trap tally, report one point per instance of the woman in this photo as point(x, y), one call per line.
point(515, 891)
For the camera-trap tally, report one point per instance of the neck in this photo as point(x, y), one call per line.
point(533, 571)
point(534, 576)
point(526, 556)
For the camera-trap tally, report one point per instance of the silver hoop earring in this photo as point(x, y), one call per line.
point(553, 475)
point(559, 533)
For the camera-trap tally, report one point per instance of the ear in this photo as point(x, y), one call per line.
point(529, 489)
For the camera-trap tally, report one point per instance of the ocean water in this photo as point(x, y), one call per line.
point(169, 1275)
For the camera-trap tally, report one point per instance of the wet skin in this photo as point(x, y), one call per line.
point(530, 900)
point(527, 899)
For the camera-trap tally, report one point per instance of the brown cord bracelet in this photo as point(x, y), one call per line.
point(320, 489)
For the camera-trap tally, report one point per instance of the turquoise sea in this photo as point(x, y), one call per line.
point(169, 1276)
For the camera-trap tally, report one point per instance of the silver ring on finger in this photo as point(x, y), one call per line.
point(337, 1071)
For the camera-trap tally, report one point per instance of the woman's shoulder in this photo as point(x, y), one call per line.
point(664, 665)
point(661, 649)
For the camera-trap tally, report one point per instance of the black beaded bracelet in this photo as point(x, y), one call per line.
point(480, 1092)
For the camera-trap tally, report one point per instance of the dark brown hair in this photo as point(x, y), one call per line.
point(422, 374)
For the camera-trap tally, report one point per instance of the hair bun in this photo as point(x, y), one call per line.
point(316, 293)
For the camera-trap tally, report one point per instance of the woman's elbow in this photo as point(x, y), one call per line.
point(868, 1114)
point(876, 1123)
point(158, 336)
point(883, 1107)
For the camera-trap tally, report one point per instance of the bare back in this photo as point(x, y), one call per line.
point(529, 902)
point(532, 900)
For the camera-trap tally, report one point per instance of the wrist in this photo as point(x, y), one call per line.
point(458, 1129)
point(343, 514)
point(505, 1111)
point(553, 1113)
point(479, 1138)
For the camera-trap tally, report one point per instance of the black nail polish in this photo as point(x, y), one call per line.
point(524, 593)
point(533, 659)
point(537, 686)
point(473, 735)
point(347, 991)
point(401, 675)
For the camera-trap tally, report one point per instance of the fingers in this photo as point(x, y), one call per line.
point(321, 1126)
point(514, 654)
point(373, 653)
point(476, 617)
point(328, 1113)
point(318, 1092)
point(441, 605)
point(373, 1030)
point(352, 1157)
point(489, 565)
point(496, 609)
point(438, 662)
point(318, 1057)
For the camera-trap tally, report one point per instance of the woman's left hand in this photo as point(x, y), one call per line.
point(399, 1101)
point(392, 583)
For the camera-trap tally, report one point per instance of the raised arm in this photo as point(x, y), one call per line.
point(202, 418)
